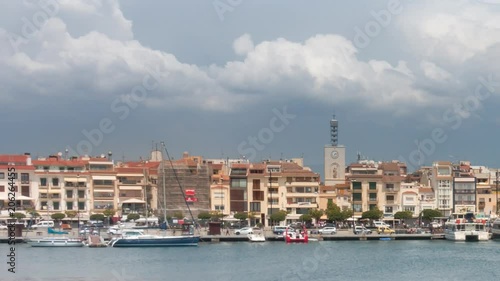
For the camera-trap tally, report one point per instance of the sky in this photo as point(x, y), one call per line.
point(416, 81)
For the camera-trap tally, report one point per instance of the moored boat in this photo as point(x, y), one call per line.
point(56, 242)
point(296, 235)
point(137, 238)
point(256, 237)
point(465, 227)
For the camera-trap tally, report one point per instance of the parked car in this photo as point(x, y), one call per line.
point(385, 230)
point(278, 230)
point(114, 230)
point(361, 230)
point(88, 230)
point(244, 230)
point(43, 224)
point(328, 230)
point(3, 226)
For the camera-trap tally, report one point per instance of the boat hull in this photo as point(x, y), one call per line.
point(56, 243)
point(173, 241)
point(256, 238)
point(470, 236)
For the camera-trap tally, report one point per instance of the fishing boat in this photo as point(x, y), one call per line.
point(296, 235)
point(56, 241)
point(465, 227)
point(137, 237)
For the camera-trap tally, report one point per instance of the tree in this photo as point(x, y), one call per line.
point(216, 215)
point(316, 214)
point(133, 217)
point(241, 216)
point(18, 216)
point(306, 218)
point(109, 213)
point(178, 214)
point(58, 216)
point(204, 216)
point(71, 214)
point(97, 217)
point(373, 214)
point(429, 214)
point(403, 215)
point(279, 216)
point(333, 212)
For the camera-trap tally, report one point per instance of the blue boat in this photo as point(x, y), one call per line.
point(137, 238)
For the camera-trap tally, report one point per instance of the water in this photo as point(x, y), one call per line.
point(328, 260)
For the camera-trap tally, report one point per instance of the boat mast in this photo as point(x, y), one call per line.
point(163, 186)
point(145, 195)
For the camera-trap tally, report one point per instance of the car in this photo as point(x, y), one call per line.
point(244, 230)
point(88, 230)
point(278, 230)
point(385, 230)
point(328, 230)
point(114, 230)
point(362, 230)
point(3, 226)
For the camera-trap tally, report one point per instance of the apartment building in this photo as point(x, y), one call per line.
point(442, 184)
point(63, 185)
point(22, 170)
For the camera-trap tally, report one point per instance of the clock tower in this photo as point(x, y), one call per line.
point(334, 157)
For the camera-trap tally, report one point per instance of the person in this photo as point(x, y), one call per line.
point(227, 230)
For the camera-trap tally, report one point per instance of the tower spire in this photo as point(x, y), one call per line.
point(334, 131)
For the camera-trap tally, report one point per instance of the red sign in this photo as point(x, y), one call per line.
point(190, 192)
point(191, 199)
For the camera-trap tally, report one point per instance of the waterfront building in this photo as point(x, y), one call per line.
point(427, 198)
point(63, 185)
point(25, 187)
point(464, 188)
point(104, 184)
point(187, 181)
point(442, 184)
point(485, 189)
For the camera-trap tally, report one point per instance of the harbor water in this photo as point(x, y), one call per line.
point(326, 260)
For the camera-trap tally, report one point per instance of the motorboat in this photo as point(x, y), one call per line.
point(256, 237)
point(465, 227)
point(56, 242)
point(296, 235)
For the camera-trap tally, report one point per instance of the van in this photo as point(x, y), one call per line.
point(42, 224)
point(380, 224)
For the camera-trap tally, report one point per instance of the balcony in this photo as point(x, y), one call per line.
point(296, 194)
point(372, 200)
point(391, 190)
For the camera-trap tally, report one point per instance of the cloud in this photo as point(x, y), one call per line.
point(102, 60)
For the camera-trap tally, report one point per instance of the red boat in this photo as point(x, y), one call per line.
point(296, 235)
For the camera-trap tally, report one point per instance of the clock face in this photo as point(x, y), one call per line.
point(335, 154)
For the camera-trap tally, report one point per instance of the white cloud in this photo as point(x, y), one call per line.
point(102, 60)
point(243, 45)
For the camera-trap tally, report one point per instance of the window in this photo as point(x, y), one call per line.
point(254, 206)
point(43, 181)
point(2, 175)
point(444, 171)
point(356, 185)
point(81, 205)
point(388, 209)
point(69, 194)
point(389, 198)
point(389, 186)
point(55, 181)
point(69, 205)
point(373, 185)
point(373, 197)
point(25, 177)
point(356, 196)
point(357, 207)
point(256, 184)
point(2, 188)
point(81, 193)
point(372, 206)
point(55, 205)
point(219, 207)
point(409, 208)
point(103, 182)
point(302, 211)
point(238, 183)
point(25, 190)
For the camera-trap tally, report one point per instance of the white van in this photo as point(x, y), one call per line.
point(42, 224)
point(380, 224)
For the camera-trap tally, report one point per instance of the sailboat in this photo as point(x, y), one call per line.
point(137, 237)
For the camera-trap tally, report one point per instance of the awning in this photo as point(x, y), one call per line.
point(123, 187)
point(75, 179)
point(133, 200)
point(52, 191)
point(112, 178)
point(22, 197)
